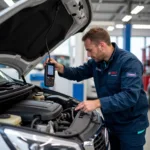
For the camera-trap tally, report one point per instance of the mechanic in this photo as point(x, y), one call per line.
point(118, 80)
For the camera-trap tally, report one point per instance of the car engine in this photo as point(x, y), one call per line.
point(50, 117)
point(53, 113)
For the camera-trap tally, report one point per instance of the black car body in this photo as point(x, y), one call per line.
point(32, 118)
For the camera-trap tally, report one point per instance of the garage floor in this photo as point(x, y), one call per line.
point(147, 145)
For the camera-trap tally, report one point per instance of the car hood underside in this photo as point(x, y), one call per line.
point(23, 34)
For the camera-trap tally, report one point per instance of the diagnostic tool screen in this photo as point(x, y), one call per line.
point(50, 70)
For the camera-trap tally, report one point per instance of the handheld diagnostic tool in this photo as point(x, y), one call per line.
point(49, 76)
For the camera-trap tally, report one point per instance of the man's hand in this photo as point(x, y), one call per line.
point(89, 105)
point(59, 67)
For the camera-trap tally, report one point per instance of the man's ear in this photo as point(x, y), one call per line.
point(102, 44)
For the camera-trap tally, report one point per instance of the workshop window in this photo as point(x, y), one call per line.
point(147, 41)
point(113, 39)
point(137, 43)
point(120, 42)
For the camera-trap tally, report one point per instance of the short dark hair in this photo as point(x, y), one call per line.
point(96, 35)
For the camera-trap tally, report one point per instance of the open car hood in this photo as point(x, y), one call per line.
point(25, 25)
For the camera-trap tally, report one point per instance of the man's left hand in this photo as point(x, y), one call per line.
point(89, 105)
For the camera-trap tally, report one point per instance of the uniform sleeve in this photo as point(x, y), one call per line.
point(131, 86)
point(78, 73)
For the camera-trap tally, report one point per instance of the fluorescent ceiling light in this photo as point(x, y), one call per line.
point(126, 18)
point(9, 2)
point(141, 26)
point(110, 28)
point(137, 9)
point(119, 26)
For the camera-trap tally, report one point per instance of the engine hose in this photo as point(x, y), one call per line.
point(72, 114)
point(64, 116)
point(62, 128)
point(75, 134)
point(63, 122)
point(67, 109)
point(33, 122)
point(56, 126)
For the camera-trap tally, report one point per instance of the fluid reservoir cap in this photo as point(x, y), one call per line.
point(4, 116)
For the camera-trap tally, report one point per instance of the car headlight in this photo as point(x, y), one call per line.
point(23, 140)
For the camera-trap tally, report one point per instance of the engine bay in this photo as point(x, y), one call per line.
point(51, 112)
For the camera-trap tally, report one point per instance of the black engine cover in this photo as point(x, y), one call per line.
point(29, 109)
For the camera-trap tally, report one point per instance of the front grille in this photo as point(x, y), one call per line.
point(99, 142)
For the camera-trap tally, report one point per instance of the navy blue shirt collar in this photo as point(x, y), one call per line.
point(115, 52)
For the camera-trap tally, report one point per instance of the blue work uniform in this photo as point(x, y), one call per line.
point(119, 87)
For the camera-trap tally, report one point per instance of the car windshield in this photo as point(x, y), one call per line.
point(4, 78)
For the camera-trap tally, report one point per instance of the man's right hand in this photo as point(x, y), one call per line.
point(59, 67)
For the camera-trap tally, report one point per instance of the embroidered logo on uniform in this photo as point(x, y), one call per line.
point(98, 69)
point(112, 73)
point(131, 74)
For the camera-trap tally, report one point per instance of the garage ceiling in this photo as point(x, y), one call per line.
point(110, 12)
point(115, 10)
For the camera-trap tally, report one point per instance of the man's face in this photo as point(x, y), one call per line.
point(94, 50)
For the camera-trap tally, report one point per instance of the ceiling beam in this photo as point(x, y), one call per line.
point(134, 21)
point(115, 13)
point(120, 11)
point(100, 2)
point(119, 3)
point(146, 1)
point(110, 3)
point(124, 7)
point(138, 18)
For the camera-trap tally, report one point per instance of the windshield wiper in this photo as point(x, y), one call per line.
point(7, 83)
